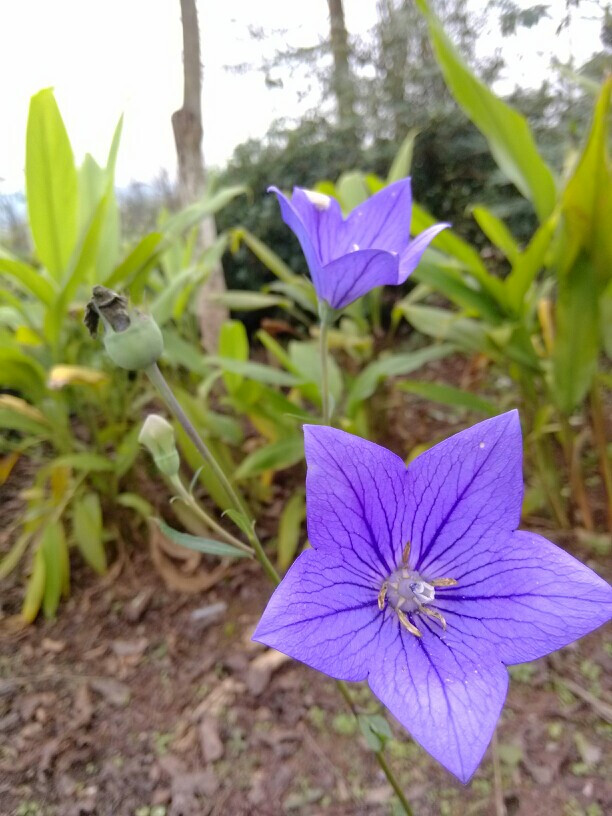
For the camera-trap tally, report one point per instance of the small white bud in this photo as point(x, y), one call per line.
point(157, 435)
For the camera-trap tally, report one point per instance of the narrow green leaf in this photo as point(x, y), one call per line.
point(83, 461)
point(30, 279)
point(190, 216)
point(267, 256)
point(234, 344)
point(35, 588)
point(448, 395)
point(306, 361)
point(275, 456)
point(352, 190)
point(240, 520)
point(111, 162)
point(391, 366)
point(289, 528)
point(529, 262)
point(400, 167)
point(497, 232)
point(87, 528)
point(441, 324)
point(451, 244)
point(453, 284)
point(577, 335)
point(135, 502)
point(507, 132)
point(139, 258)
point(606, 319)
point(52, 184)
point(255, 371)
point(199, 544)
point(587, 199)
point(248, 301)
point(52, 545)
point(83, 260)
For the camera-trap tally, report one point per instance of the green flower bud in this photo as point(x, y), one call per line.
point(157, 435)
point(139, 346)
point(132, 340)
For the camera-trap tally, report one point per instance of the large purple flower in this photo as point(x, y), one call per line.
point(372, 247)
point(419, 581)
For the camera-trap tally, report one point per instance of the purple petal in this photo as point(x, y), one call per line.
point(461, 491)
point(411, 256)
point(294, 221)
point(355, 500)
point(523, 595)
point(382, 221)
point(325, 614)
point(322, 224)
point(447, 694)
point(347, 278)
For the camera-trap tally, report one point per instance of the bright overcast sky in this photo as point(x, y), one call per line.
point(107, 57)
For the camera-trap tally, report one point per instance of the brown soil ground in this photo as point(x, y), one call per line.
point(132, 703)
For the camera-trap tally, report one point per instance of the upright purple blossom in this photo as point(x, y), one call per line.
point(419, 582)
point(372, 247)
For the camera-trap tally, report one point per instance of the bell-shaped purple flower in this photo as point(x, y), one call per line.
point(419, 582)
point(349, 256)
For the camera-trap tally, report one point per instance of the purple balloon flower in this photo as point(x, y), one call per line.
point(372, 247)
point(419, 582)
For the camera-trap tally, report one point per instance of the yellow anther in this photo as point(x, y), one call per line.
point(382, 596)
point(407, 625)
point(431, 613)
point(406, 554)
point(443, 582)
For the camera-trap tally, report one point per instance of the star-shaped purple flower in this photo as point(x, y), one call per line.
point(419, 582)
point(372, 247)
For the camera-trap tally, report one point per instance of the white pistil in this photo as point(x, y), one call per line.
point(320, 200)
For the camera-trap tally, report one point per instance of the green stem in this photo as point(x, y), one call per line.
point(323, 342)
point(549, 483)
point(394, 783)
point(572, 454)
point(158, 380)
point(380, 758)
point(189, 500)
point(599, 432)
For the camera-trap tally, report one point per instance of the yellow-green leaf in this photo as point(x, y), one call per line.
point(35, 588)
point(52, 184)
point(87, 528)
point(289, 528)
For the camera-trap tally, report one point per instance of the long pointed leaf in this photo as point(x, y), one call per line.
point(506, 130)
point(52, 186)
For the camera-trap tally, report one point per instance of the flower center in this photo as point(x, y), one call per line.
point(408, 594)
point(406, 590)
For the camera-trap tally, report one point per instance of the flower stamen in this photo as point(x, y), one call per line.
point(431, 613)
point(403, 619)
point(382, 596)
point(406, 554)
point(443, 582)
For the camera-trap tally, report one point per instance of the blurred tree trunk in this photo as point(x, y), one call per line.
point(187, 127)
point(342, 79)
